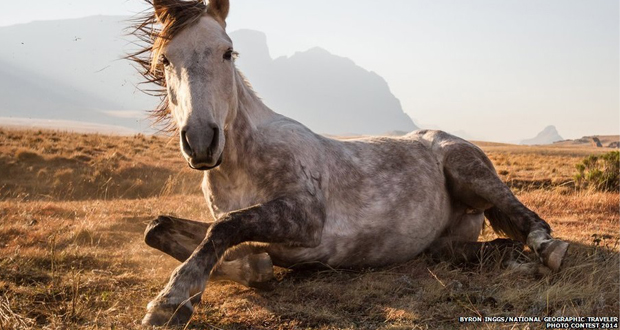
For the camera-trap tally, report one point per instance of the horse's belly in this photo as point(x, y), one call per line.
point(375, 240)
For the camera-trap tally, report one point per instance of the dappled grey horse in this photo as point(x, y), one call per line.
point(283, 195)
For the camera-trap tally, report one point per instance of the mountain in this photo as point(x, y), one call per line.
point(326, 92)
point(74, 70)
point(547, 136)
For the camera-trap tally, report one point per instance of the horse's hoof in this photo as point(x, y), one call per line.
point(168, 314)
point(262, 267)
point(553, 254)
point(260, 274)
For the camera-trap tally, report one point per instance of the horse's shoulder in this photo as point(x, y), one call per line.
point(285, 155)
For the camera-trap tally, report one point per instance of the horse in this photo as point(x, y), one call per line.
point(283, 195)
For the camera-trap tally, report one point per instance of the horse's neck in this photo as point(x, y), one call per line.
point(231, 185)
point(240, 133)
point(251, 109)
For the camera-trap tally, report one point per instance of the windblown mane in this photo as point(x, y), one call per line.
point(154, 31)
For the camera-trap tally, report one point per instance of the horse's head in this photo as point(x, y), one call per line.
point(196, 57)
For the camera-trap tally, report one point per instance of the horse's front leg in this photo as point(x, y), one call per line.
point(294, 221)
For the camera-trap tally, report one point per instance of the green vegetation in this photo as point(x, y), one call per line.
point(599, 172)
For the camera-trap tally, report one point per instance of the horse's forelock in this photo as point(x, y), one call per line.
point(154, 31)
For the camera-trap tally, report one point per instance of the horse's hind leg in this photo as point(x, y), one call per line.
point(458, 244)
point(179, 238)
point(472, 180)
point(500, 250)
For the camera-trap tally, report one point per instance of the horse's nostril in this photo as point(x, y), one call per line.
point(215, 140)
point(185, 143)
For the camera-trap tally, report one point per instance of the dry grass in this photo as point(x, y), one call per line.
point(47, 165)
point(535, 167)
point(72, 256)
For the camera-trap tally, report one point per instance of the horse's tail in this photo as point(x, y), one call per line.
point(501, 224)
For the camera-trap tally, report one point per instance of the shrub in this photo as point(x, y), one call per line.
point(599, 172)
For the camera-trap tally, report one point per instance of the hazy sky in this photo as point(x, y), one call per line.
point(498, 70)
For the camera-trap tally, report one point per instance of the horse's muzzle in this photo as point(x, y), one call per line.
point(201, 148)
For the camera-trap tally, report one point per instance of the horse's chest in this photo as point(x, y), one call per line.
point(231, 194)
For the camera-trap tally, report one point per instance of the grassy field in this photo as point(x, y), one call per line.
point(73, 208)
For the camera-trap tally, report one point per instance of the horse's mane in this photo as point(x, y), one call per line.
point(154, 31)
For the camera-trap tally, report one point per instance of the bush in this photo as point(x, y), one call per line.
point(600, 172)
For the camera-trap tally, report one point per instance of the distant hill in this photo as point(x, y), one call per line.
point(599, 141)
point(547, 136)
point(73, 70)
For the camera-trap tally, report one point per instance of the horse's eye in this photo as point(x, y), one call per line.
point(164, 60)
point(228, 55)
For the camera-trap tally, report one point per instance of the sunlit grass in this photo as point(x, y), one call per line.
point(73, 257)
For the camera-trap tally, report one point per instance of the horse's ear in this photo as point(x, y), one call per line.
point(218, 9)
